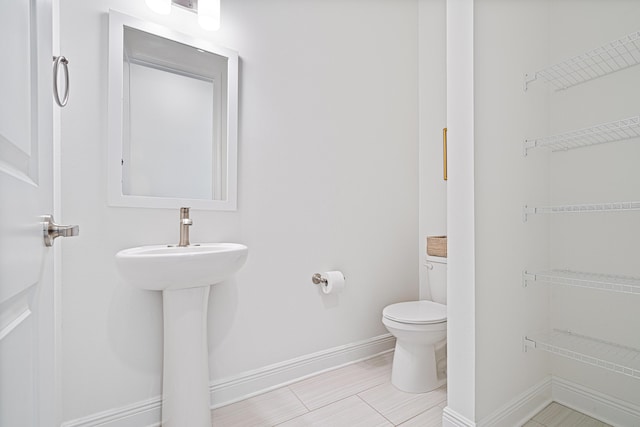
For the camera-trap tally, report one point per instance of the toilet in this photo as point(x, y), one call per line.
point(420, 328)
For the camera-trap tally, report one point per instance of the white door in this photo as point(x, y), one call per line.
point(26, 193)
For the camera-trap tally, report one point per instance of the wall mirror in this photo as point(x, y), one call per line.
point(173, 102)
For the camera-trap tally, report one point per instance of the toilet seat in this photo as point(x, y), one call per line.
point(416, 312)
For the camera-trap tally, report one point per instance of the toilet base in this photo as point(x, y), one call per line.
point(414, 367)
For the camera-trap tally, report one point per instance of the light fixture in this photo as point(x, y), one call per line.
point(208, 10)
point(163, 7)
point(209, 14)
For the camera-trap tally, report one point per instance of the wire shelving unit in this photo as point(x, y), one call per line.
point(593, 351)
point(604, 282)
point(606, 59)
point(600, 134)
point(581, 208)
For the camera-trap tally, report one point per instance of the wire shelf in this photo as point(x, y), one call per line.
point(600, 134)
point(582, 208)
point(604, 354)
point(605, 282)
point(611, 57)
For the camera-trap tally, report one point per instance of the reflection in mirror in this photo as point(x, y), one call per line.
point(173, 119)
point(173, 125)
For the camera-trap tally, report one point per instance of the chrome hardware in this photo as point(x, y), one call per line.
point(526, 277)
point(528, 79)
point(527, 343)
point(318, 279)
point(51, 230)
point(57, 60)
point(191, 5)
point(185, 223)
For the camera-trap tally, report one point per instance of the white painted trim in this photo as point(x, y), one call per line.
point(117, 22)
point(554, 389)
point(595, 404)
point(146, 413)
point(251, 383)
point(15, 322)
point(451, 418)
point(461, 270)
point(57, 213)
point(522, 408)
point(222, 392)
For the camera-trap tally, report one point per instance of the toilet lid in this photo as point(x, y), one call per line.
point(416, 312)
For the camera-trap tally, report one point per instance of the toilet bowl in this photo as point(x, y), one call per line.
point(420, 328)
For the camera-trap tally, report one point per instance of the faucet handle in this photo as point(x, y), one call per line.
point(185, 222)
point(184, 216)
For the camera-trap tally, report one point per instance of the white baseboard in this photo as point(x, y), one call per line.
point(516, 412)
point(145, 413)
point(451, 418)
point(555, 389)
point(255, 382)
point(246, 384)
point(521, 408)
point(595, 404)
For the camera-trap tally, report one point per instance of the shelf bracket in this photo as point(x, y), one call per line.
point(528, 78)
point(527, 343)
point(527, 276)
point(526, 146)
point(526, 210)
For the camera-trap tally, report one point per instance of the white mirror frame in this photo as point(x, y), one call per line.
point(115, 196)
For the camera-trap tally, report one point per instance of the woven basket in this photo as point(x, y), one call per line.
point(437, 246)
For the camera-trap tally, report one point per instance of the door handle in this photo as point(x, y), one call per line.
point(53, 230)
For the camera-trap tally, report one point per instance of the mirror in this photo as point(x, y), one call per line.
point(172, 118)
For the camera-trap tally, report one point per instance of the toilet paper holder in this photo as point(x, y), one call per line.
point(331, 282)
point(318, 279)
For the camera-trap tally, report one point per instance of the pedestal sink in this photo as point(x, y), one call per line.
point(184, 275)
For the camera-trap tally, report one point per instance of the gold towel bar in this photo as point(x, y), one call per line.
point(444, 152)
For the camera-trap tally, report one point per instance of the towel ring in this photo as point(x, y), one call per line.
point(57, 60)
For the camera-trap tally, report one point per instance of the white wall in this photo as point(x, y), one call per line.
point(328, 179)
point(510, 40)
point(182, 112)
point(461, 331)
point(432, 118)
point(599, 243)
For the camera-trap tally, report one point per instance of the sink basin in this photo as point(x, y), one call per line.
point(184, 275)
point(164, 267)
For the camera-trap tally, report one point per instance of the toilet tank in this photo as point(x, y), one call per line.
point(437, 278)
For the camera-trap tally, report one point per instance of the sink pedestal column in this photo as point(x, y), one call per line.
point(185, 382)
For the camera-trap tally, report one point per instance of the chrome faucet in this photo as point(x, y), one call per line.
point(185, 223)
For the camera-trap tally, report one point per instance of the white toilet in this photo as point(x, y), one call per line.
point(420, 328)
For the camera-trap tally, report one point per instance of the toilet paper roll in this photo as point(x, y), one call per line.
point(335, 282)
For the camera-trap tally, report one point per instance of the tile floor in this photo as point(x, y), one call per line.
point(360, 394)
point(556, 415)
